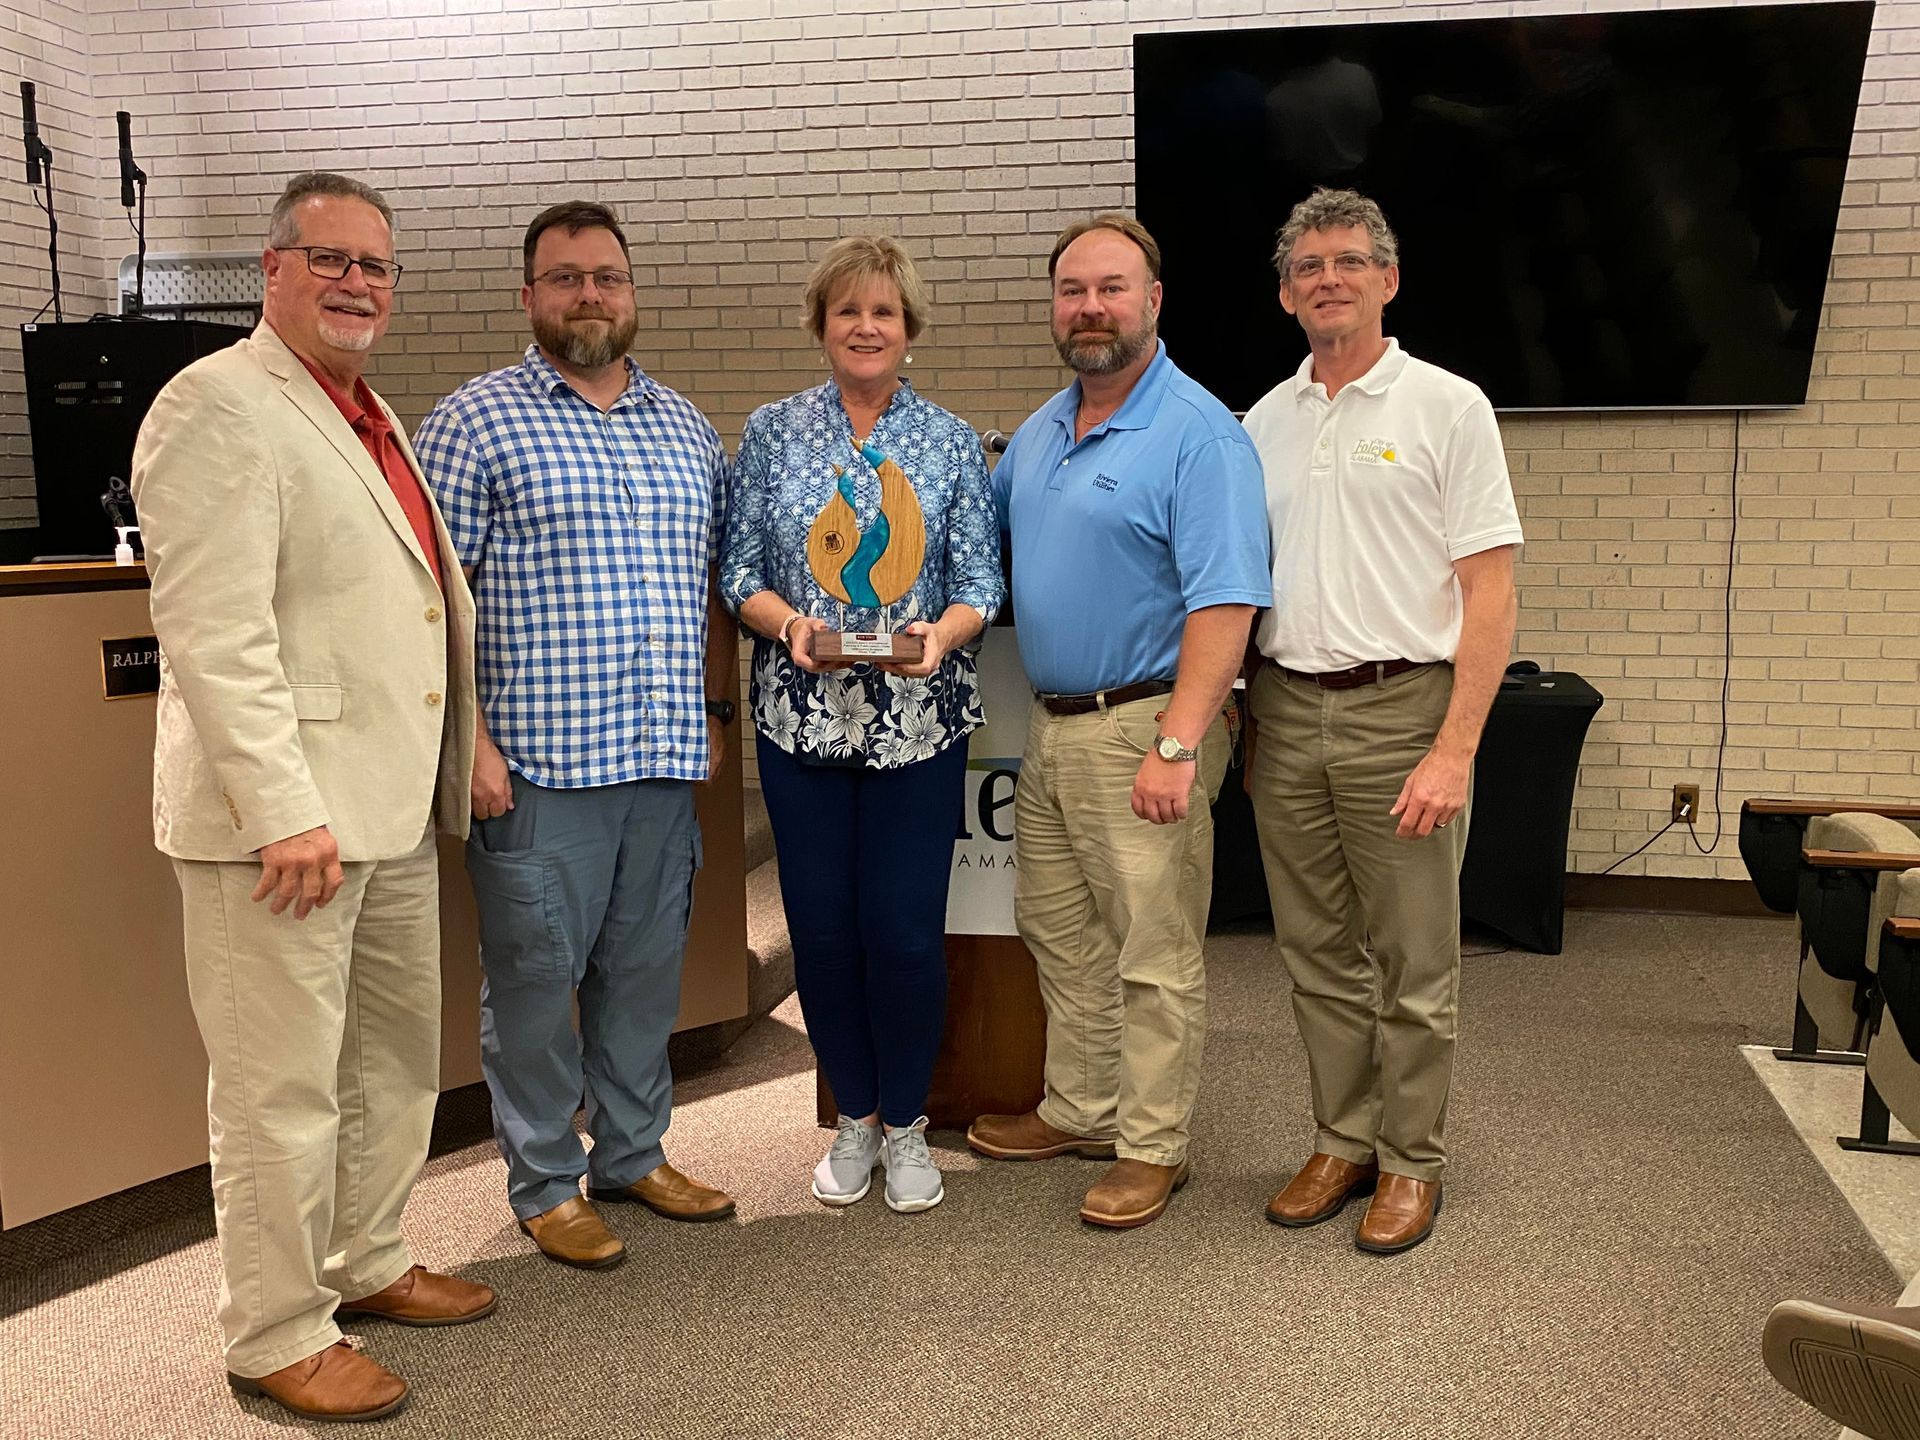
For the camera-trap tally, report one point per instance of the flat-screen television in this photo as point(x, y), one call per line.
point(1632, 210)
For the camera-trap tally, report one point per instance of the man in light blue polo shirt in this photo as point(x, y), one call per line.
point(1138, 518)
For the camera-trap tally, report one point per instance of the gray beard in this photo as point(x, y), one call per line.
point(582, 350)
point(1104, 357)
point(344, 339)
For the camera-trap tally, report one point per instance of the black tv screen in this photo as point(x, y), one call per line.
point(1595, 211)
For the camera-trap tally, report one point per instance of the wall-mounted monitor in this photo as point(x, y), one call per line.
point(1595, 211)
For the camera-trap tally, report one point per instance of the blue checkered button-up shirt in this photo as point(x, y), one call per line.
point(590, 537)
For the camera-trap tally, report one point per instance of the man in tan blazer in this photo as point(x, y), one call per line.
point(315, 727)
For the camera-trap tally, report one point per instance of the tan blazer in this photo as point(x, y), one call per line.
point(311, 671)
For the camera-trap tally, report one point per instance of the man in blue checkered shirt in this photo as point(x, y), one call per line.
point(584, 500)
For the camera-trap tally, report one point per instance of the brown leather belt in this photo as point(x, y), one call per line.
point(1081, 704)
point(1370, 673)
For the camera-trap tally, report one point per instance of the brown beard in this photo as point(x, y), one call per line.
point(1103, 357)
point(577, 348)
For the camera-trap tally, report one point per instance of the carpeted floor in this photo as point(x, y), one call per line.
point(1626, 1202)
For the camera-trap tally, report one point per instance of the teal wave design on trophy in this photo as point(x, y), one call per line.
point(856, 574)
point(882, 562)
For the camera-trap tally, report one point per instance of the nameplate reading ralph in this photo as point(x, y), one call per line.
point(130, 666)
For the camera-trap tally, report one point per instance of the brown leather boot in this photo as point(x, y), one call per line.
point(339, 1383)
point(1028, 1137)
point(424, 1297)
point(1401, 1215)
point(1859, 1365)
point(665, 1191)
point(1131, 1193)
point(573, 1234)
point(1321, 1190)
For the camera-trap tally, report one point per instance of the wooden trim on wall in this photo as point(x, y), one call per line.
point(1670, 894)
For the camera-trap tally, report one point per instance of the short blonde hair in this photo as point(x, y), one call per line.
point(860, 258)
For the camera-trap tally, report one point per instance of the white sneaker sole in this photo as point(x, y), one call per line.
point(914, 1207)
point(1859, 1370)
point(837, 1200)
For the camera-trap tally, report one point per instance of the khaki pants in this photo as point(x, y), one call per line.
point(1115, 910)
point(323, 1045)
point(1367, 923)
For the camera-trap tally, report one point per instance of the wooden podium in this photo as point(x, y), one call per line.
point(994, 1045)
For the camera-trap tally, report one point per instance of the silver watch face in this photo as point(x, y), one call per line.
point(1168, 747)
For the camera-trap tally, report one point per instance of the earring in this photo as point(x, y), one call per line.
point(909, 357)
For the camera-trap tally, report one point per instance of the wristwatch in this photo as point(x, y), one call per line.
point(1172, 751)
point(721, 710)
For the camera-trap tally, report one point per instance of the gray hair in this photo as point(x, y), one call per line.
point(1327, 209)
point(283, 227)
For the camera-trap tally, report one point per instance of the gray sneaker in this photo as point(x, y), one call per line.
point(913, 1181)
point(846, 1173)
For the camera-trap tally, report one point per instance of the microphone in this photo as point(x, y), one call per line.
point(30, 128)
point(129, 172)
point(994, 443)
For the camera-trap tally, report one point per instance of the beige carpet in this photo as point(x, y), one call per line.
point(1625, 1204)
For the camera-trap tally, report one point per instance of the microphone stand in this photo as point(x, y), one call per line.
point(130, 176)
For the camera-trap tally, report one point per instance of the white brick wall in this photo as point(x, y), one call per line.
point(739, 135)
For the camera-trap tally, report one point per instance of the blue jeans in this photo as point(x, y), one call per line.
point(584, 890)
point(865, 856)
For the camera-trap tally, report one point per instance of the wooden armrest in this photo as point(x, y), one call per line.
point(1859, 860)
point(1902, 928)
point(1763, 805)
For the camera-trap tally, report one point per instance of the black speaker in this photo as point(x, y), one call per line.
point(88, 388)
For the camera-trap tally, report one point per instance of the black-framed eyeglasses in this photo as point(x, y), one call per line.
point(566, 279)
point(334, 264)
point(1349, 262)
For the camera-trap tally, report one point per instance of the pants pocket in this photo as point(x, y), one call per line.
point(518, 899)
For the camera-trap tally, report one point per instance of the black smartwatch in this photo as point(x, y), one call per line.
point(721, 710)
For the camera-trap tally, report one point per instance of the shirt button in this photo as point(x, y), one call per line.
point(433, 613)
point(1066, 462)
point(433, 697)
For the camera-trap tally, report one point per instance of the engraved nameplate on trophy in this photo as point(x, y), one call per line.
point(871, 569)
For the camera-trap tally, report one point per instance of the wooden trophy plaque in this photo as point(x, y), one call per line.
point(872, 568)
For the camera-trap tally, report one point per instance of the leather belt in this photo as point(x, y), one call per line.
point(1372, 672)
point(1105, 699)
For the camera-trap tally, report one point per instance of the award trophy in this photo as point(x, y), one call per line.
point(871, 569)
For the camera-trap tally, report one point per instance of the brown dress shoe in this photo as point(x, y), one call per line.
point(339, 1383)
point(1131, 1193)
point(1858, 1365)
point(1321, 1190)
point(1401, 1215)
point(1028, 1137)
point(665, 1191)
point(573, 1234)
point(423, 1297)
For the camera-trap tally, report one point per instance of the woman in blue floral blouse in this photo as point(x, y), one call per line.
point(863, 766)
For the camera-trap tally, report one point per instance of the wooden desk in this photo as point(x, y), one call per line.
point(102, 1077)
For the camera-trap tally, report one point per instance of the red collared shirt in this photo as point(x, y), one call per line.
point(370, 423)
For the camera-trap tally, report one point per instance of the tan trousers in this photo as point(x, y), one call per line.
point(1367, 923)
point(323, 1047)
point(1115, 910)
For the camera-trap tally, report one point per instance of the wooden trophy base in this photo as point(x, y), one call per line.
point(844, 647)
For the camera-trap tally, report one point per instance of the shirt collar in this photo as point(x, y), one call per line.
point(831, 393)
point(546, 379)
point(1137, 411)
point(354, 405)
point(1379, 376)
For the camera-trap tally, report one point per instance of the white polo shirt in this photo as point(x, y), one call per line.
point(1372, 496)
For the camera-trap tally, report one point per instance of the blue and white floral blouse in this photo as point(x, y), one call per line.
point(795, 455)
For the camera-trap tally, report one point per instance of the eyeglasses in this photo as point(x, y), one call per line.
point(334, 264)
point(1348, 262)
point(608, 280)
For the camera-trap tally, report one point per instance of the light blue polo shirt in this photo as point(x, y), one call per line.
point(1158, 512)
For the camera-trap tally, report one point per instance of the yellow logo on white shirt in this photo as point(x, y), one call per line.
point(1375, 452)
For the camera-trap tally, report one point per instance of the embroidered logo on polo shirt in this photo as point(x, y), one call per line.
point(1104, 481)
point(1375, 452)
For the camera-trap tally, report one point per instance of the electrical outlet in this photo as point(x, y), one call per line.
point(1686, 804)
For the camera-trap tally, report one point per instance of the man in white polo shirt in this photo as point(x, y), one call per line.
point(1393, 610)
